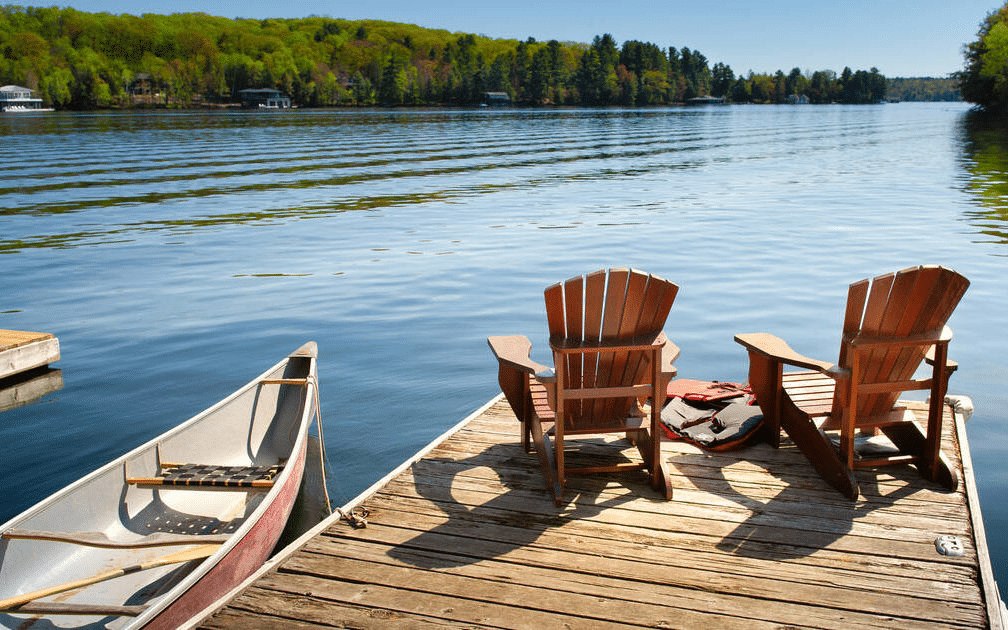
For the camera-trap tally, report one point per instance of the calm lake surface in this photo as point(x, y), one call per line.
point(178, 255)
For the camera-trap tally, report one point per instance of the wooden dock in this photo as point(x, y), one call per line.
point(22, 351)
point(465, 535)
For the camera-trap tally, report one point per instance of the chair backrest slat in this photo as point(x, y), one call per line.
point(594, 296)
point(856, 296)
point(573, 294)
point(555, 312)
point(635, 310)
point(658, 299)
point(611, 310)
point(878, 300)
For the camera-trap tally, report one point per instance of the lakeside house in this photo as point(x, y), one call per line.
point(264, 98)
point(14, 98)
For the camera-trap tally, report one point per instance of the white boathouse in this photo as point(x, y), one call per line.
point(14, 98)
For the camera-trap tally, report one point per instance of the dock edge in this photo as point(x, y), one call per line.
point(992, 597)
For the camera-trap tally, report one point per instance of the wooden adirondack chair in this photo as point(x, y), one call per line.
point(609, 353)
point(891, 325)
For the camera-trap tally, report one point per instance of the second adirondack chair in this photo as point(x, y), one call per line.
point(891, 325)
point(609, 354)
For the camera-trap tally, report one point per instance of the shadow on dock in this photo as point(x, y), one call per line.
point(468, 536)
point(510, 508)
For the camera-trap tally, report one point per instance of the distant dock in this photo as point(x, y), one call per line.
point(21, 351)
point(706, 100)
point(465, 535)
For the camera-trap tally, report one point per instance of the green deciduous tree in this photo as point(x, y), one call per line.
point(761, 87)
point(823, 87)
point(985, 78)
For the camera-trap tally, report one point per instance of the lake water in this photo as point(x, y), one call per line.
point(177, 255)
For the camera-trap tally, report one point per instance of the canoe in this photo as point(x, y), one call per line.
point(154, 537)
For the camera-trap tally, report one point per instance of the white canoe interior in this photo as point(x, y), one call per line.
point(103, 522)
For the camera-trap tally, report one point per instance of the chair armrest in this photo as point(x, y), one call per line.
point(670, 352)
point(513, 351)
point(950, 365)
point(777, 349)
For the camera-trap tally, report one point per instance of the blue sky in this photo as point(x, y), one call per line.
point(899, 38)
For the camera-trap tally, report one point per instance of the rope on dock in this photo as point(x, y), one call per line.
point(357, 517)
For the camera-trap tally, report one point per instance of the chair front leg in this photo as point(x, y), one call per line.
point(939, 386)
point(848, 421)
point(515, 385)
point(526, 418)
point(558, 427)
point(765, 379)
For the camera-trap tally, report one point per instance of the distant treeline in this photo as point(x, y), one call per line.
point(924, 89)
point(77, 60)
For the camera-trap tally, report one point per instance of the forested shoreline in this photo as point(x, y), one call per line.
point(79, 61)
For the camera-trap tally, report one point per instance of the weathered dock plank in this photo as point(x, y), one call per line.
point(21, 351)
point(467, 536)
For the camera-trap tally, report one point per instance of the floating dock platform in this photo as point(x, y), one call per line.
point(465, 535)
point(22, 351)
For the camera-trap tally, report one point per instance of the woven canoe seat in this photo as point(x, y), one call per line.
point(213, 476)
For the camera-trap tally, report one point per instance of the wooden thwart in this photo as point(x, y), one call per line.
point(211, 477)
point(284, 381)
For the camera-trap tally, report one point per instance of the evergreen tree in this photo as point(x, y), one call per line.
point(722, 80)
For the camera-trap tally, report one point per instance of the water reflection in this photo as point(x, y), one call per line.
point(26, 388)
point(985, 158)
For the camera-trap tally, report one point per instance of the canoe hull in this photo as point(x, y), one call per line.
point(264, 423)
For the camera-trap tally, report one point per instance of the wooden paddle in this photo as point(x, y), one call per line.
point(185, 555)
